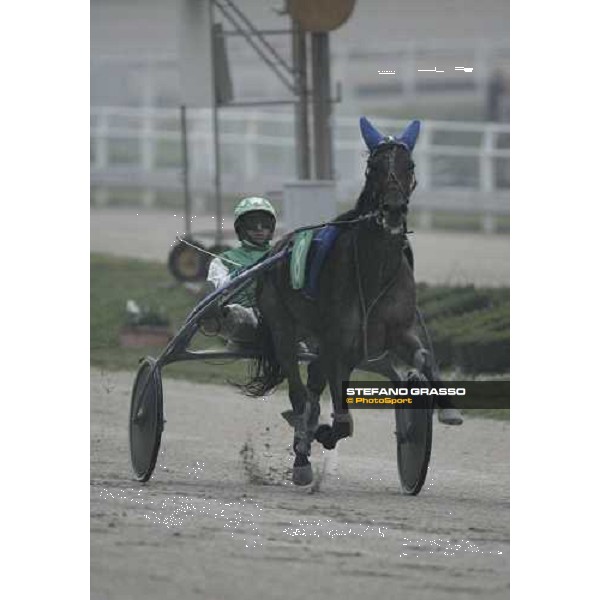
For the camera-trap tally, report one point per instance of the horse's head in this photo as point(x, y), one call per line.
point(390, 174)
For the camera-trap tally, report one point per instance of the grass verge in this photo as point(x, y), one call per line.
point(116, 280)
point(458, 318)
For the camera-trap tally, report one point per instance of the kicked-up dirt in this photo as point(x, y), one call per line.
point(220, 519)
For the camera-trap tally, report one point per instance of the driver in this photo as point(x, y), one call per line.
point(254, 224)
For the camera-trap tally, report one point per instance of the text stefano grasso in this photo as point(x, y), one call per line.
point(391, 391)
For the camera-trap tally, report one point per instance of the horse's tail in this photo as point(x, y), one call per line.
point(265, 372)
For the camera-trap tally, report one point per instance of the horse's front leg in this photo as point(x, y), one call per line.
point(409, 349)
point(412, 351)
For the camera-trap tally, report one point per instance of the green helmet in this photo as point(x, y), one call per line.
point(241, 225)
point(251, 204)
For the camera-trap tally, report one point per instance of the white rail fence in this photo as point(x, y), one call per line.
point(149, 79)
point(462, 167)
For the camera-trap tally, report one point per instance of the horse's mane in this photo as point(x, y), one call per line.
point(364, 204)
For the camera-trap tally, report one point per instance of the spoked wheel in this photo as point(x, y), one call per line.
point(145, 419)
point(413, 446)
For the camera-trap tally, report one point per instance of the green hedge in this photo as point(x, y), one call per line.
point(469, 327)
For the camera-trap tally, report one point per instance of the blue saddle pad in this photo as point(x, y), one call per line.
point(322, 243)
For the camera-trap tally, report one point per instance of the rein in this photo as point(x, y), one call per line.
point(361, 296)
point(180, 239)
point(366, 217)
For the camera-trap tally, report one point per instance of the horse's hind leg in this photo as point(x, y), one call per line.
point(283, 333)
point(302, 407)
point(315, 385)
point(284, 340)
point(342, 425)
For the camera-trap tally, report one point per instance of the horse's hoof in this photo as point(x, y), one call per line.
point(302, 475)
point(302, 472)
point(324, 435)
point(323, 432)
point(342, 429)
point(330, 442)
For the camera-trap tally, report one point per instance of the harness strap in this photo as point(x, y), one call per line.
point(361, 296)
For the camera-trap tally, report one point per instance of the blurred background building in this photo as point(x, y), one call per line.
point(462, 157)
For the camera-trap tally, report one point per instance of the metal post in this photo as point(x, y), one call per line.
point(102, 135)
point(487, 176)
point(486, 161)
point(215, 114)
point(186, 172)
point(425, 159)
point(148, 140)
point(148, 150)
point(323, 151)
point(301, 107)
point(409, 71)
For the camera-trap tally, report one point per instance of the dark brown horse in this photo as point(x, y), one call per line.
point(366, 306)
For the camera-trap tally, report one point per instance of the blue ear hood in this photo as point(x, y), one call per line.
point(371, 136)
point(410, 134)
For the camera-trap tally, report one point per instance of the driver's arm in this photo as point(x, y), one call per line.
point(218, 274)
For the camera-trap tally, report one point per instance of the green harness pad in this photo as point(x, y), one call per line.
point(302, 241)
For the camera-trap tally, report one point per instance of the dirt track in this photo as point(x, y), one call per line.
point(220, 522)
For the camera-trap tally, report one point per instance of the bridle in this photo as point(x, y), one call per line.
point(391, 180)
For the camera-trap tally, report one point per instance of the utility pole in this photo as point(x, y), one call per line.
point(215, 115)
point(321, 102)
point(301, 107)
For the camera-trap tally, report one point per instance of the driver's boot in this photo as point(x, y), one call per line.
point(450, 416)
point(240, 328)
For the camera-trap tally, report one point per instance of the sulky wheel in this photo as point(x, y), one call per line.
point(145, 419)
point(413, 444)
point(186, 263)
